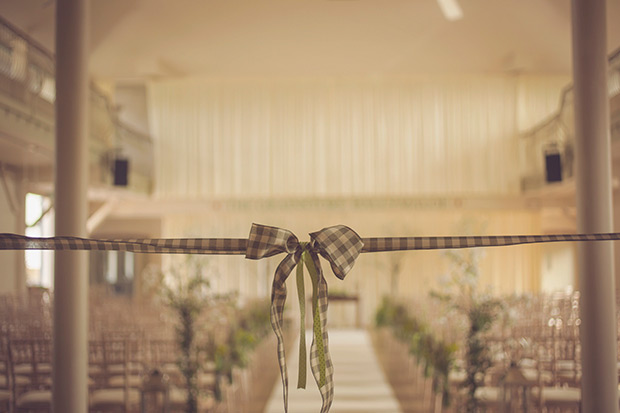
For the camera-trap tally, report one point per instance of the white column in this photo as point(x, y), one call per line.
point(20, 228)
point(594, 207)
point(70, 359)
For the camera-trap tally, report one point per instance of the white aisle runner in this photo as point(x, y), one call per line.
point(360, 385)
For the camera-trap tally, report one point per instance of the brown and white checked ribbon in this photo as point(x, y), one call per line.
point(340, 245)
point(215, 246)
point(435, 243)
point(238, 246)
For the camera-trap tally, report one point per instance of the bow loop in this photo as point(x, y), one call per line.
point(265, 241)
point(339, 245)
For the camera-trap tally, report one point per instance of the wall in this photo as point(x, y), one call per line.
point(131, 100)
point(124, 228)
point(558, 267)
point(538, 97)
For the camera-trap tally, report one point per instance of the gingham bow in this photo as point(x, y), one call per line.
point(340, 245)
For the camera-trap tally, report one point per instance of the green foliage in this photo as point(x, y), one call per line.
point(436, 354)
point(186, 291)
point(256, 318)
point(210, 327)
point(246, 329)
point(461, 294)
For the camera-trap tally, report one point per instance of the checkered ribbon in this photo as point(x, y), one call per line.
point(220, 246)
point(238, 246)
point(438, 243)
point(340, 245)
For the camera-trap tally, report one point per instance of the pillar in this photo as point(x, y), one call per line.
point(20, 228)
point(594, 207)
point(70, 359)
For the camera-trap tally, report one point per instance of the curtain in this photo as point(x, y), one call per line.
point(404, 136)
point(424, 138)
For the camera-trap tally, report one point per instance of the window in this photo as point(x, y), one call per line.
point(39, 223)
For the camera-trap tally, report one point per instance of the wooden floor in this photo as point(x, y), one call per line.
point(360, 385)
point(411, 388)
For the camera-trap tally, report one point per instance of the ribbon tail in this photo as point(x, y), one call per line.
point(320, 360)
point(301, 294)
point(278, 299)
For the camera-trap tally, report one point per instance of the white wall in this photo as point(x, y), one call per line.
point(131, 100)
point(557, 267)
point(538, 97)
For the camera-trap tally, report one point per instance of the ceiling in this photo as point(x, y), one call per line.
point(138, 39)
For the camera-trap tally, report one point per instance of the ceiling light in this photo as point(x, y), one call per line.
point(451, 9)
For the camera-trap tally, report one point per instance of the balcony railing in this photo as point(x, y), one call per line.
point(555, 137)
point(27, 90)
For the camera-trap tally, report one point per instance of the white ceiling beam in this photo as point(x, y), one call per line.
point(100, 215)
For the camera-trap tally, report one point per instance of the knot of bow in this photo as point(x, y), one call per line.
point(339, 245)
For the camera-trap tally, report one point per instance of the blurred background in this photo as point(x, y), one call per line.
point(393, 117)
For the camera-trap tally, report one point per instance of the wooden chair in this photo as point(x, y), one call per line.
point(568, 361)
point(117, 388)
point(163, 355)
point(558, 376)
point(5, 390)
point(30, 365)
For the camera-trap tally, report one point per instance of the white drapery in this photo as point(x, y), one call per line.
point(227, 139)
point(400, 136)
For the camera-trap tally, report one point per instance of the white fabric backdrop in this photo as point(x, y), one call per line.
point(405, 136)
point(380, 138)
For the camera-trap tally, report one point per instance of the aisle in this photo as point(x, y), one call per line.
point(360, 385)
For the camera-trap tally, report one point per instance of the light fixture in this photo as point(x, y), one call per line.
point(451, 9)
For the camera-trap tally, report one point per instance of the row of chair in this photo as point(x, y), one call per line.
point(116, 370)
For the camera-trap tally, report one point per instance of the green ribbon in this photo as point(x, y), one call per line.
point(306, 257)
point(301, 294)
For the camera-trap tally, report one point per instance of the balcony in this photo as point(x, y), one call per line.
point(547, 150)
point(27, 95)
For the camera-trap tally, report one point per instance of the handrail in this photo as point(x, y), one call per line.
point(563, 97)
point(27, 76)
point(96, 93)
point(133, 132)
point(557, 129)
point(40, 48)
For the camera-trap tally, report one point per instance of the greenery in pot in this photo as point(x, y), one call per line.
point(186, 290)
point(245, 328)
point(210, 329)
point(436, 354)
point(461, 294)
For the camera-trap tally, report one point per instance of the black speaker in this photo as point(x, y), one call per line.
point(121, 172)
point(553, 167)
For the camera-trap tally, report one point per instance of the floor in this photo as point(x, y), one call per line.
point(360, 385)
point(411, 387)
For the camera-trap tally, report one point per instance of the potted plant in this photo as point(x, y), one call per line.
point(186, 290)
point(461, 294)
